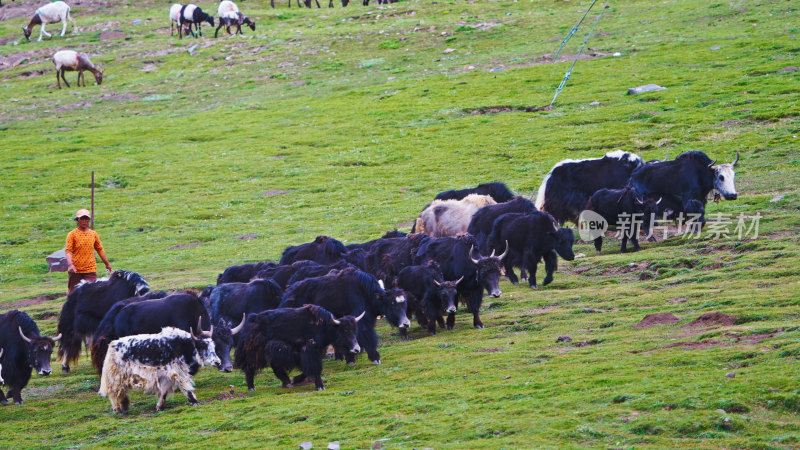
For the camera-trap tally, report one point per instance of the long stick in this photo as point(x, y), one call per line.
point(92, 224)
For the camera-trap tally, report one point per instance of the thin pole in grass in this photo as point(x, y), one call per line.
point(569, 35)
point(92, 222)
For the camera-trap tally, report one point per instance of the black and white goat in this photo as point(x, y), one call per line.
point(50, 13)
point(229, 15)
point(191, 14)
point(70, 60)
point(175, 18)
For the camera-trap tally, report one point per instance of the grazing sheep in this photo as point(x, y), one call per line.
point(175, 18)
point(192, 14)
point(65, 60)
point(229, 15)
point(50, 13)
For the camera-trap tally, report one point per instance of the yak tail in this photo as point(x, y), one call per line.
point(104, 335)
point(69, 347)
point(250, 351)
point(99, 351)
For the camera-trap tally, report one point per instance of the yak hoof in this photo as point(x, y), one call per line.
point(19, 403)
point(4, 403)
point(547, 281)
point(533, 286)
point(252, 389)
point(351, 363)
point(290, 385)
point(65, 369)
point(376, 362)
point(515, 282)
point(330, 355)
point(321, 388)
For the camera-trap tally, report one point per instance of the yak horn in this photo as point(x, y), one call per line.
point(712, 163)
point(666, 157)
point(360, 316)
point(474, 261)
point(459, 280)
point(437, 283)
point(239, 327)
point(380, 282)
point(57, 338)
point(23, 335)
point(737, 159)
point(335, 322)
point(504, 253)
point(191, 331)
point(638, 201)
point(1, 352)
point(659, 200)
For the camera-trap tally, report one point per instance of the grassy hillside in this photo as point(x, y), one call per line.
point(346, 122)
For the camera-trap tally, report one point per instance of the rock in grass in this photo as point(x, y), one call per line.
point(564, 339)
point(306, 445)
point(777, 198)
point(731, 375)
point(333, 445)
point(645, 88)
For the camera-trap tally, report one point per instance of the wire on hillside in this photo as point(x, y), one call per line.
point(588, 35)
point(573, 31)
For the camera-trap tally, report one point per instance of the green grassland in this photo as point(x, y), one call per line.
point(346, 122)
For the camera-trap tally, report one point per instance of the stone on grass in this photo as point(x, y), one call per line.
point(731, 375)
point(306, 445)
point(333, 445)
point(645, 88)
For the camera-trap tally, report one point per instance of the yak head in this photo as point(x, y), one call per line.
point(564, 239)
point(347, 331)
point(39, 351)
point(724, 177)
point(223, 342)
point(488, 271)
point(206, 352)
point(394, 306)
point(648, 207)
point(448, 291)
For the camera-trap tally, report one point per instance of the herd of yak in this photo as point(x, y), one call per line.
point(325, 295)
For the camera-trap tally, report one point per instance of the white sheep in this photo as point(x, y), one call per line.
point(65, 60)
point(50, 13)
point(229, 15)
point(175, 17)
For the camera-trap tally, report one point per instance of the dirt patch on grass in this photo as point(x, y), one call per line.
point(119, 97)
point(694, 345)
point(73, 106)
point(30, 301)
point(274, 192)
point(652, 320)
point(31, 73)
point(506, 109)
point(15, 59)
point(490, 350)
point(100, 26)
point(188, 244)
point(247, 236)
point(713, 318)
point(111, 34)
point(222, 396)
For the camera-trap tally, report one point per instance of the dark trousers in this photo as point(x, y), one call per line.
point(75, 278)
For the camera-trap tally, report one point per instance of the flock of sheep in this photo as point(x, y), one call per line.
point(188, 19)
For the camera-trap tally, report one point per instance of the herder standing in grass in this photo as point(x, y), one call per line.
point(81, 244)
